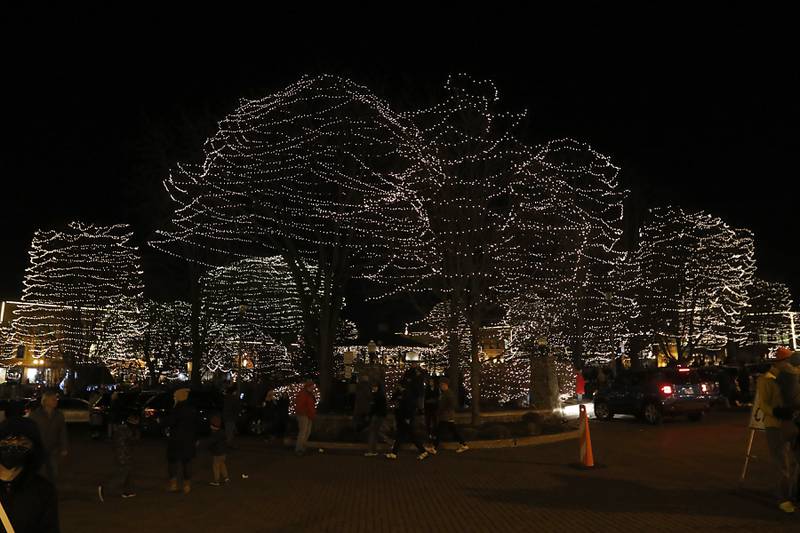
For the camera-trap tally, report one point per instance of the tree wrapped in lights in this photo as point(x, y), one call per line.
point(74, 277)
point(563, 260)
point(473, 158)
point(315, 173)
point(693, 273)
point(766, 320)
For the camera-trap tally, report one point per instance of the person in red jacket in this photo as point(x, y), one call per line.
point(305, 410)
point(580, 385)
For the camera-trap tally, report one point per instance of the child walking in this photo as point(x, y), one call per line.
point(217, 445)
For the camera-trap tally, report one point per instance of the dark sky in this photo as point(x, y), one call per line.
point(699, 108)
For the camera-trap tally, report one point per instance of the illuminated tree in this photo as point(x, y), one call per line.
point(766, 320)
point(75, 276)
point(315, 173)
point(692, 276)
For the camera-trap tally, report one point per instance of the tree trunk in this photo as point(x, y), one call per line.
point(197, 344)
point(475, 374)
point(544, 382)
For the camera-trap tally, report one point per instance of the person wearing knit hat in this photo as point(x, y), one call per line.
point(183, 424)
point(28, 501)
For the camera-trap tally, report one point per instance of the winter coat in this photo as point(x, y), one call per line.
point(788, 380)
point(769, 398)
point(447, 406)
point(431, 399)
point(53, 430)
point(183, 425)
point(305, 404)
point(122, 440)
point(31, 504)
point(377, 406)
point(217, 443)
point(580, 384)
point(405, 406)
point(363, 398)
point(230, 406)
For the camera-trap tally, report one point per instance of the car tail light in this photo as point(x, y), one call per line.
point(684, 370)
point(149, 412)
point(666, 389)
point(704, 387)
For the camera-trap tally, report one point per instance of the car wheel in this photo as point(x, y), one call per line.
point(696, 417)
point(256, 427)
point(602, 411)
point(652, 413)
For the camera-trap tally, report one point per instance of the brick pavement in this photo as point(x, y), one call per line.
point(677, 477)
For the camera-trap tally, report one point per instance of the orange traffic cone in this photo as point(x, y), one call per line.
point(587, 457)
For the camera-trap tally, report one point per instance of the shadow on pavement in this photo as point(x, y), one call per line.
point(585, 493)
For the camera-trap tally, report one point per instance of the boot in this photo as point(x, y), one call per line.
point(173, 485)
point(187, 487)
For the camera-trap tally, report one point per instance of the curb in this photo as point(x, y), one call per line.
point(473, 445)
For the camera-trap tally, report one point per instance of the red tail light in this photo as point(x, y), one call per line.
point(149, 412)
point(666, 389)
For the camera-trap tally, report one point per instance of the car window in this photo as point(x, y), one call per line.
point(72, 403)
point(161, 401)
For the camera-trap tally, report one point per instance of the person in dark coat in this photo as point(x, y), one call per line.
point(431, 407)
point(362, 403)
point(231, 406)
point(414, 382)
point(217, 445)
point(28, 499)
point(53, 430)
point(122, 436)
point(404, 413)
point(377, 418)
point(182, 441)
point(275, 415)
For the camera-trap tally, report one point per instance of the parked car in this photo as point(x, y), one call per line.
point(75, 410)
point(101, 415)
point(655, 393)
point(156, 410)
point(6, 401)
point(261, 419)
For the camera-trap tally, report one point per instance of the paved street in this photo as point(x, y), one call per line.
point(679, 476)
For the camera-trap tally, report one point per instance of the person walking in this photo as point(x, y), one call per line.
point(305, 409)
point(405, 412)
point(28, 501)
point(447, 418)
point(182, 424)
point(231, 406)
point(122, 436)
point(362, 403)
point(431, 408)
point(217, 446)
point(377, 418)
point(776, 412)
point(53, 430)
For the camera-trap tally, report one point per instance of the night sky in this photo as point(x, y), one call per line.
point(99, 105)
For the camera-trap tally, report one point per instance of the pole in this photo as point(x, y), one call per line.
point(747, 455)
point(794, 332)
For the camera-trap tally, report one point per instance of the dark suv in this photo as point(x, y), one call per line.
point(655, 393)
point(158, 408)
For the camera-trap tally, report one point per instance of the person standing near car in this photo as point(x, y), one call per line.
point(231, 406)
point(305, 409)
point(53, 430)
point(182, 424)
point(771, 402)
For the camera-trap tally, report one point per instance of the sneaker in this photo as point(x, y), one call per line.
point(462, 448)
point(391, 456)
point(100, 493)
point(173, 485)
point(127, 495)
point(370, 454)
point(187, 487)
point(431, 450)
point(787, 507)
point(215, 483)
point(422, 456)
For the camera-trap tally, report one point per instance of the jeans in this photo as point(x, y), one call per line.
point(376, 431)
point(219, 468)
point(303, 432)
point(451, 426)
point(50, 467)
point(406, 433)
point(784, 464)
point(120, 480)
point(431, 420)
